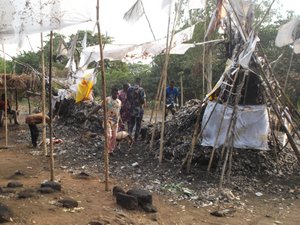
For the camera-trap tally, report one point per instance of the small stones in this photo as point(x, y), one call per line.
point(222, 213)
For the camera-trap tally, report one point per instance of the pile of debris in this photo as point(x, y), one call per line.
point(246, 162)
point(178, 131)
point(81, 132)
point(82, 150)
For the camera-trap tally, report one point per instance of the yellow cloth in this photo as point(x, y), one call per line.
point(84, 89)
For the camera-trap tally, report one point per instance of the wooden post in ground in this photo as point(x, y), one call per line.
point(165, 74)
point(50, 108)
point(29, 105)
point(43, 95)
point(181, 88)
point(5, 99)
point(106, 159)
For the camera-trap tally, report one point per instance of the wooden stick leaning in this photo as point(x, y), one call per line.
point(106, 159)
point(5, 99)
point(50, 108)
point(165, 74)
point(43, 95)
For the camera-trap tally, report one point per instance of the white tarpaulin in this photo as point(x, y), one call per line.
point(246, 54)
point(22, 17)
point(286, 34)
point(135, 53)
point(251, 129)
point(110, 51)
point(297, 46)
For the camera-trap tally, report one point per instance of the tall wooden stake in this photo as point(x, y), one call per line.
point(181, 89)
point(5, 100)
point(106, 159)
point(50, 108)
point(164, 75)
point(43, 95)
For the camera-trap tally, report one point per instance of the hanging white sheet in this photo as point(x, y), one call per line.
point(22, 17)
point(138, 53)
point(251, 129)
point(286, 34)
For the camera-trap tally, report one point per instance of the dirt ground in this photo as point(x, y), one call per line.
point(96, 204)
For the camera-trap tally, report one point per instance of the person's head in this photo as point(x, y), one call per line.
point(172, 83)
point(114, 92)
point(138, 81)
point(125, 86)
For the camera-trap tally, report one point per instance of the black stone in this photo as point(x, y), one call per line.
point(117, 189)
point(28, 193)
point(102, 222)
point(54, 185)
point(149, 208)
point(127, 201)
point(82, 175)
point(68, 203)
point(143, 197)
point(14, 184)
point(46, 190)
point(5, 213)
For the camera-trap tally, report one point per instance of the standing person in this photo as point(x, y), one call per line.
point(137, 99)
point(125, 108)
point(171, 98)
point(32, 121)
point(113, 116)
point(9, 110)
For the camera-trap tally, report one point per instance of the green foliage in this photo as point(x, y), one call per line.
point(30, 58)
point(8, 65)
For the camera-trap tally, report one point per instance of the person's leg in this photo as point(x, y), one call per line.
point(113, 142)
point(137, 127)
point(131, 124)
point(1, 117)
point(166, 112)
point(109, 136)
point(15, 116)
point(173, 111)
point(34, 131)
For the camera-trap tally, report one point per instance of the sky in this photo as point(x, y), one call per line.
point(112, 23)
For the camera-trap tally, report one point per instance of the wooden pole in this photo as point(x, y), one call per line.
point(148, 21)
point(209, 69)
point(106, 159)
point(165, 74)
point(203, 53)
point(288, 72)
point(50, 108)
point(5, 99)
point(29, 105)
point(156, 109)
point(181, 89)
point(157, 99)
point(43, 95)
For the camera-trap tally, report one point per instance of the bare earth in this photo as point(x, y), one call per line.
point(96, 204)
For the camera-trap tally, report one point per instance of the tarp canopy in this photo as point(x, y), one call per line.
point(135, 53)
point(22, 17)
point(251, 129)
